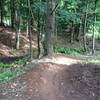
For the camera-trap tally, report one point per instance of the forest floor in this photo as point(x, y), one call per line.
point(55, 78)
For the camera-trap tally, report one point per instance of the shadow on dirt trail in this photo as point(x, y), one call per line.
point(49, 81)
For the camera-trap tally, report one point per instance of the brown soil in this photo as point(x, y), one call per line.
point(53, 81)
point(8, 41)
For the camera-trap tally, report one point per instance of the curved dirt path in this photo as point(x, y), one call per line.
point(46, 86)
point(55, 81)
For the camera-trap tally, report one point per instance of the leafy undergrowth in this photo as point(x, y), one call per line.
point(12, 70)
point(70, 51)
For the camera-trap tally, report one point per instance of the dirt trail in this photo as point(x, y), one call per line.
point(53, 81)
point(47, 89)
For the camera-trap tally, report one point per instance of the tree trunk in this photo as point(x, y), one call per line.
point(85, 28)
point(93, 37)
point(30, 25)
point(38, 35)
point(50, 22)
point(17, 27)
point(12, 8)
point(27, 30)
point(72, 33)
point(1, 12)
point(30, 42)
point(80, 30)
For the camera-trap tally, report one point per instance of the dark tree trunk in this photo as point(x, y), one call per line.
point(1, 12)
point(30, 25)
point(72, 33)
point(12, 8)
point(80, 30)
point(30, 41)
point(85, 29)
point(50, 22)
point(38, 35)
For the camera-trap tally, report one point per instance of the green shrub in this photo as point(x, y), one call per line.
point(5, 65)
point(7, 75)
point(70, 50)
point(20, 62)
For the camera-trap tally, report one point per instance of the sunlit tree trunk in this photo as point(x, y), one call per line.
point(18, 20)
point(93, 37)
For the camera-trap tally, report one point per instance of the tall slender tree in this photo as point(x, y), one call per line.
point(85, 27)
point(18, 20)
point(12, 11)
point(93, 37)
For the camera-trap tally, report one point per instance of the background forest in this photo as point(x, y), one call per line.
point(49, 49)
point(75, 23)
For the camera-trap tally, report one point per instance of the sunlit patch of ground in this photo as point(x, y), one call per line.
point(60, 60)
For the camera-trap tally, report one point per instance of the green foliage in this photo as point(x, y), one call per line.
point(70, 51)
point(5, 65)
point(20, 62)
point(6, 72)
point(7, 75)
point(13, 51)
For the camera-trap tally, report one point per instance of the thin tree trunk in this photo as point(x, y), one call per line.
point(30, 42)
point(17, 27)
point(56, 26)
point(93, 37)
point(38, 35)
point(56, 35)
point(12, 8)
point(1, 12)
point(72, 33)
point(80, 30)
point(31, 22)
point(85, 29)
point(27, 30)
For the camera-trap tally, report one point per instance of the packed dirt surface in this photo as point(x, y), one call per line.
point(50, 79)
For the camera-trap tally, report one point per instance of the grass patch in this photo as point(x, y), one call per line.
point(6, 72)
point(9, 75)
point(5, 65)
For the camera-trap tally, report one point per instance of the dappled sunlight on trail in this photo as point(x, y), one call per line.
point(60, 60)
